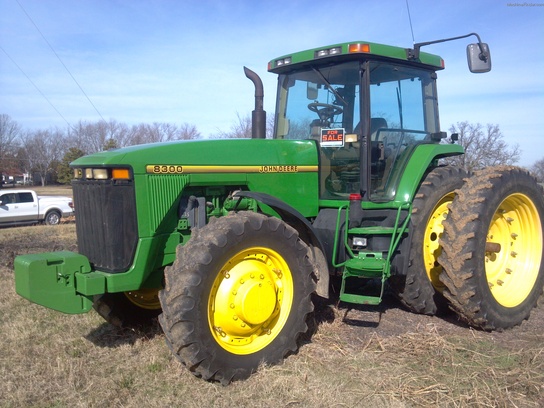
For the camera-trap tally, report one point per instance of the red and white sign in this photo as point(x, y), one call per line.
point(332, 137)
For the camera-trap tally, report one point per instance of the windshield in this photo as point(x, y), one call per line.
point(325, 104)
point(325, 97)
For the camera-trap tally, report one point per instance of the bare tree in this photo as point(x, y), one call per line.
point(538, 170)
point(300, 129)
point(270, 121)
point(118, 135)
point(89, 137)
point(483, 147)
point(44, 150)
point(93, 137)
point(241, 128)
point(160, 132)
point(188, 132)
point(9, 133)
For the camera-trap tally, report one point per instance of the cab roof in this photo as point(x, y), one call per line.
point(352, 51)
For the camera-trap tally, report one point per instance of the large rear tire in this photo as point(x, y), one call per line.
point(420, 288)
point(492, 248)
point(237, 296)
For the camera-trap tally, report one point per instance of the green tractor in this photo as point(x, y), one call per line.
point(229, 241)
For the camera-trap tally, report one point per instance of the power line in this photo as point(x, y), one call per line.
point(60, 60)
point(35, 86)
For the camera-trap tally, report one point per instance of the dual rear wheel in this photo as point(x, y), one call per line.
point(476, 246)
point(492, 248)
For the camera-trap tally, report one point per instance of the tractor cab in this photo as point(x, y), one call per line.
point(366, 107)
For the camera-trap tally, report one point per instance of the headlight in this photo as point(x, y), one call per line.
point(100, 174)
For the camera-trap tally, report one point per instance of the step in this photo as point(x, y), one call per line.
point(360, 299)
point(366, 266)
point(369, 265)
point(373, 231)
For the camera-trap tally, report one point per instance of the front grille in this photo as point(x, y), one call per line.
point(106, 224)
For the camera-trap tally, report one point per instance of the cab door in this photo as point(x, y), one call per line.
point(8, 207)
point(18, 207)
point(27, 208)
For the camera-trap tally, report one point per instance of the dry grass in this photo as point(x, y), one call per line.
point(358, 357)
point(64, 190)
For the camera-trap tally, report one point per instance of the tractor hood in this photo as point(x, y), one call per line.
point(223, 152)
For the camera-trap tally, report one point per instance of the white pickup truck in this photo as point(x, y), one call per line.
point(21, 207)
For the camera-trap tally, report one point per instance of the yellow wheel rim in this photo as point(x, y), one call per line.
point(145, 298)
point(513, 265)
point(431, 246)
point(250, 300)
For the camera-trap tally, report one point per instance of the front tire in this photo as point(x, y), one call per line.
point(131, 309)
point(492, 248)
point(420, 288)
point(237, 296)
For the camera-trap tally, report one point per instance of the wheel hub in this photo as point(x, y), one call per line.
point(145, 298)
point(431, 244)
point(248, 303)
point(255, 299)
point(512, 262)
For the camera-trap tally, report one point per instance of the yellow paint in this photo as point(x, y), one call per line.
point(250, 300)
point(512, 272)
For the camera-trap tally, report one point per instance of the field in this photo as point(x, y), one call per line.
point(358, 357)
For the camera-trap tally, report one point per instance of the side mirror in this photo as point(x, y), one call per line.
point(479, 58)
point(311, 91)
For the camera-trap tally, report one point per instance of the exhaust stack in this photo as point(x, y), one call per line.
point(258, 116)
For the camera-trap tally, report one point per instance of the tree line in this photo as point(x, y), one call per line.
point(485, 146)
point(47, 153)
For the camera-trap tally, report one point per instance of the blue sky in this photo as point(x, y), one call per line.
point(181, 61)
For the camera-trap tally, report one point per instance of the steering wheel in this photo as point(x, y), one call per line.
point(324, 110)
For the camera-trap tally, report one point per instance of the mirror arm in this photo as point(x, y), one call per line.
point(413, 54)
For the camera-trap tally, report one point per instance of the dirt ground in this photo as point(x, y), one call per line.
point(361, 324)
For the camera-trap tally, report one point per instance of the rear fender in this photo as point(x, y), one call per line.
point(423, 158)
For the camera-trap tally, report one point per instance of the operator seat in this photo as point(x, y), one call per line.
point(375, 125)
